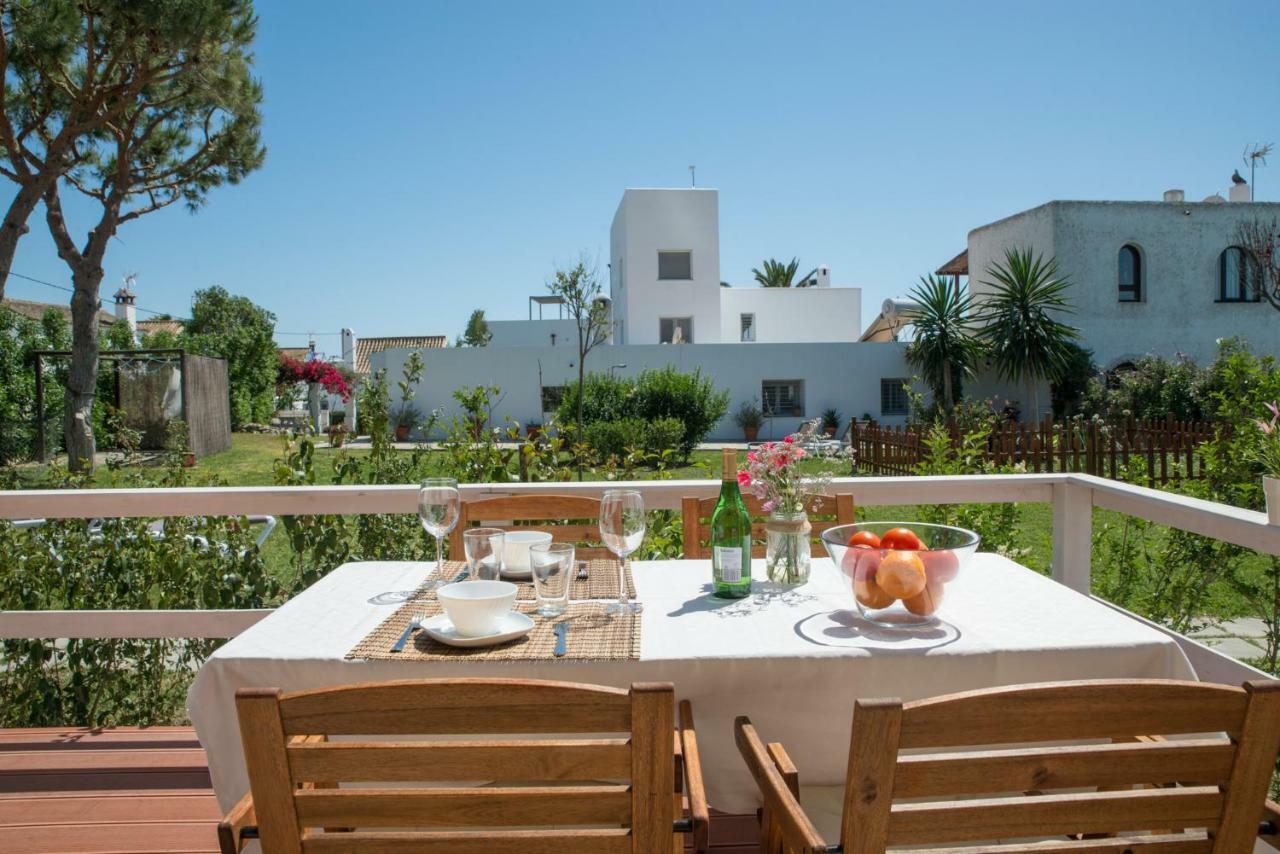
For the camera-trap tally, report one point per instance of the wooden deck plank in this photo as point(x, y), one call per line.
point(189, 837)
point(136, 759)
point(107, 808)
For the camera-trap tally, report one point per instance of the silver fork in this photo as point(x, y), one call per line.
point(414, 623)
point(582, 570)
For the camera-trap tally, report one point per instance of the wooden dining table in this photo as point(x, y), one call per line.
point(793, 659)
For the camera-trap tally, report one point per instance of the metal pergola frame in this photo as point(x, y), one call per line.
point(103, 355)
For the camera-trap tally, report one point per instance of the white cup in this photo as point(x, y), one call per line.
point(476, 607)
point(515, 549)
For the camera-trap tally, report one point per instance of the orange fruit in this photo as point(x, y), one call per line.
point(926, 601)
point(901, 575)
point(870, 594)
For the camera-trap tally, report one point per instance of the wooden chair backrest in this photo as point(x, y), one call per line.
point(1144, 782)
point(580, 515)
point(551, 784)
point(825, 512)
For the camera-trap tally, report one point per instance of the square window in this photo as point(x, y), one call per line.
point(782, 397)
point(893, 397)
point(551, 397)
point(675, 330)
point(748, 324)
point(675, 265)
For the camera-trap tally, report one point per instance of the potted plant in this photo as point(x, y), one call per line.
point(405, 418)
point(748, 417)
point(830, 421)
point(1268, 456)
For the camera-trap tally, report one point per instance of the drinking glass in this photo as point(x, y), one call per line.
point(483, 547)
point(438, 506)
point(552, 566)
point(622, 530)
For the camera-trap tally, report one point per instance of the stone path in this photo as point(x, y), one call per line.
point(1241, 639)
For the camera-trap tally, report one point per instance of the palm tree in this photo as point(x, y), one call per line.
point(1025, 341)
point(945, 348)
point(779, 275)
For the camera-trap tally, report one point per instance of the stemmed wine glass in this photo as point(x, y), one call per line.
point(438, 507)
point(622, 531)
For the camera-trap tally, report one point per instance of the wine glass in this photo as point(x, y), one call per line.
point(438, 508)
point(622, 530)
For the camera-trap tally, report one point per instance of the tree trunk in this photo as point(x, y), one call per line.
point(948, 403)
point(82, 378)
point(1033, 389)
point(15, 225)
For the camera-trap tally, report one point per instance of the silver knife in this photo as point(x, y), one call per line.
point(561, 630)
point(460, 576)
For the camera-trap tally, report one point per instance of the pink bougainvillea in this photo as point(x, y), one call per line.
point(324, 374)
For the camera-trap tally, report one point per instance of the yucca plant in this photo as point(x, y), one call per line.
point(946, 348)
point(1026, 342)
point(778, 275)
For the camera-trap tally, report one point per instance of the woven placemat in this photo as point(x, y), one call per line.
point(592, 636)
point(601, 581)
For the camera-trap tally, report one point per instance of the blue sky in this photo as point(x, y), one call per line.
point(425, 159)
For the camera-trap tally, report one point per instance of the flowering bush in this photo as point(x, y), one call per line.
point(1268, 452)
point(774, 475)
point(324, 374)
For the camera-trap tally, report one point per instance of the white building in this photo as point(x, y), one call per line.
point(1146, 277)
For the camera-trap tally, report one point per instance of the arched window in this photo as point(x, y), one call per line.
point(1130, 274)
point(1234, 268)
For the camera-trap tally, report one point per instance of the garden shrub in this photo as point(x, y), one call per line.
point(1154, 389)
point(690, 399)
point(19, 337)
point(617, 438)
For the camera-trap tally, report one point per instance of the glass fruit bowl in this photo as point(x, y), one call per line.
point(899, 571)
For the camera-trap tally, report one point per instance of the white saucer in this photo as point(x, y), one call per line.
point(512, 625)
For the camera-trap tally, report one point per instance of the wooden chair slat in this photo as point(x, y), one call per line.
point(583, 841)
point(869, 781)
point(1064, 711)
point(505, 761)
point(469, 706)
point(1163, 843)
point(262, 731)
point(1045, 815)
point(1195, 762)
point(466, 807)
point(824, 512)
point(1255, 763)
point(579, 512)
point(652, 810)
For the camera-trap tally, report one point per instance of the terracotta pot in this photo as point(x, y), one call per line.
point(402, 432)
point(533, 432)
point(829, 432)
point(751, 433)
point(188, 460)
point(1271, 488)
point(336, 438)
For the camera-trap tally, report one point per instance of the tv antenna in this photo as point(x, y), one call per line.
point(693, 176)
point(1254, 154)
point(129, 280)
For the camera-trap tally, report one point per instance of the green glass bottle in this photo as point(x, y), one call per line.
point(730, 536)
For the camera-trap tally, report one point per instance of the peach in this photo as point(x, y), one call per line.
point(901, 574)
point(926, 601)
point(870, 595)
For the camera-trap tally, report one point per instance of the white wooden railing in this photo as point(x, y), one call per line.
point(1073, 497)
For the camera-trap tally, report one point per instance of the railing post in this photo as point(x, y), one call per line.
point(1073, 535)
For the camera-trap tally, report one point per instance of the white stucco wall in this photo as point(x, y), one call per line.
point(533, 333)
point(652, 220)
point(841, 375)
point(1180, 244)
point(784, 315)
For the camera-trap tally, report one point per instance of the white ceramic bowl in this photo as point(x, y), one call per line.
point(515, 549)
point(476, 607)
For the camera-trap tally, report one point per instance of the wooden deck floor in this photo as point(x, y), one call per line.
point(141, 791)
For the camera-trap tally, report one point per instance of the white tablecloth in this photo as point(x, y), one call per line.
point(794, 661)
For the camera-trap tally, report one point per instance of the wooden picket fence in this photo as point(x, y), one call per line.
point(1170, 448)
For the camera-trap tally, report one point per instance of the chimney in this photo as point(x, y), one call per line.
point(822, 279)
point(349, 349)
point(125, 308)
point(1175, 196)
point(1240, 193)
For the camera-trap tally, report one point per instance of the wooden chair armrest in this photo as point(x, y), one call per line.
point(787, 768)
point(1269, 826)
point(695, 789)
point(233, 824)
point(783, 807)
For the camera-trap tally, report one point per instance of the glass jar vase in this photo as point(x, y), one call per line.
point(787, 551)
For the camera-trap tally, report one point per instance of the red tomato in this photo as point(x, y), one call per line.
point(865, 539)
point(901, 539)
point(941, 566)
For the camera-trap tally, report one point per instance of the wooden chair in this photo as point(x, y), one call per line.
point(607, 787)
point(581, 517)
point(825, 512)
point(1200, 794)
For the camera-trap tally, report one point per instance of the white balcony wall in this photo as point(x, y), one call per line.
point(790, 315)
point(533, 333)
